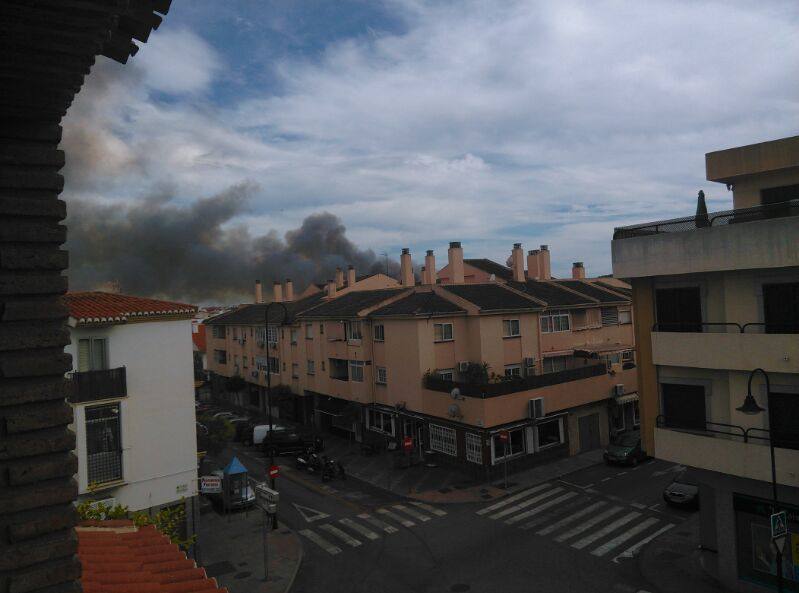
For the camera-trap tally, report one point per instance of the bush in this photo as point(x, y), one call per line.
point(220, 433)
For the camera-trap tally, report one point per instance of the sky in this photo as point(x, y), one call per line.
point(413, 124)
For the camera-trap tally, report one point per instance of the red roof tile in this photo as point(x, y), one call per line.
point(117, 557)
point(198, 337)
point(107, 307)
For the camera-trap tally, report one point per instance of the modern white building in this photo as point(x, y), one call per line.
point(132, 390)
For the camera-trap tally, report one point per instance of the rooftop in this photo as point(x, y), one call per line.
point(492, 297)
point(254, 313)
point(600, 294)
point(419, 303)
point(727, 165)
point(106, 307)
point(351, 303)
point(491, 267)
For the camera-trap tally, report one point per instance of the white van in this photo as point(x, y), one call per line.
point(260, 431)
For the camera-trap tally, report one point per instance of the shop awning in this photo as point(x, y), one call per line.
point(626, 399)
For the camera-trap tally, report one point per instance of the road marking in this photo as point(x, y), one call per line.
point(573, 485)
point(592, 491)
point(413, 513)
point(623, 537)
point(621, 473)
point(587, 486)
point(673, 468)
point(525, 503)
point(539, 508)
point(367, 533)
point(630, 552)
point(429, 508)
point(654, 507)
point(608, 478)
point(638, 505)
point(514, 498)
point(311, 515)
point(375, 522)
point(587, 525)
point(571, 518)
point(560, 511)
point(342, 535)
point(607, 529)
point(320, 541)
point(396, 517)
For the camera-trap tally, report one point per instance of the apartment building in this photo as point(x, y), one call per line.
point(716, 297)
point(453, 365)
point(132, 391)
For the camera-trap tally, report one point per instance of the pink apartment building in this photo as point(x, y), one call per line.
point(474, 350)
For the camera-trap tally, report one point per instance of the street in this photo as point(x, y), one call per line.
point(577, 533)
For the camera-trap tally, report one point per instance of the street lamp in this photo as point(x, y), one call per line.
point(269, 395)
point(750, 407)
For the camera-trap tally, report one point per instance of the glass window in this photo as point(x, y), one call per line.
point(311, 367)
point(382, 376)
point(103, 444)
point(356, 370)
point(446, 374)
point(274, 365)
point(220, 356)
point(625, 317)
point(218, 331)
point(321, 329)
point(554, 364)
point(555, 321)
point(309, 331)
point(92, 354)
point(549, 433)
point(379, 333)
point(510, 328)
point(380, 422)
point(353, 330)
point(513, 370)
point(474, 448)
point(514, 446)
point(627, 356)
point(610, 316)
point(442, 332)
point(293, 335)
point(271, 334)
point(442, 439)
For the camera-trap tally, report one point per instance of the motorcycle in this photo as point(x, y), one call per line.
point(332, 469)
point(309, 461)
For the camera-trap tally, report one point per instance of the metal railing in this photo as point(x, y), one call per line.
point(699, 327)
point(690, 223)
point(714, 428)
point(90, 386)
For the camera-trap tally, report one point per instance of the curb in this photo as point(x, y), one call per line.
point(299, 561)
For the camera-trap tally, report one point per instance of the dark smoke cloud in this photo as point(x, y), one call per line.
point(154, 247)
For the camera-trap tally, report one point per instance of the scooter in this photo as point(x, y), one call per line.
point(332, 469)
point(309, 461)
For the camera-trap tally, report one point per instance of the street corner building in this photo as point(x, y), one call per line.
point(478, 364)
point(131, 388)
point(716, 297)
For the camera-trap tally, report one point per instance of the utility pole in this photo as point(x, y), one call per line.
point(269, 396)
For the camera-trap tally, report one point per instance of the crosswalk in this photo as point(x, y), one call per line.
point(353, 532)
point(579, 520)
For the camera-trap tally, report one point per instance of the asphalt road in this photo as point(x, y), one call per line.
point(360, 538)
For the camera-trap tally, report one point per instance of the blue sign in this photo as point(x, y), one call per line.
point(779, 524)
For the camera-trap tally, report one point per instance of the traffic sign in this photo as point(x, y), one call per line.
point(407, 443)
point(210, 484)
point(504, 436)
point(779, 524)
point(274, 471)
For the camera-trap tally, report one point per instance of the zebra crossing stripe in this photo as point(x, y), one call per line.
point(413, 513)
point(367, 533)
point(513, 498)
point(571, 518)
point(587, 525)
point(607, 529)
point(342, 535)
point(375, 522)
point(559, 512)
point(320, 541)
point(525, 503)
point(630, 552)
point(401, 520)
point(540, 508)
point(623, 537)
point(429, 508)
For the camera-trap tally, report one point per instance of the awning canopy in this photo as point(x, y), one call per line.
point(234, 467)
point(626, 399)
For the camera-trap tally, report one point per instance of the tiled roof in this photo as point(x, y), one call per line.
point(491, 267)
point(117, 557)
point(419, 303)
point(595, 292)
point(492, 297)
point(254, 314)
point(348, 304)
point(107, 307)
point(551, 294)
point(620, 289)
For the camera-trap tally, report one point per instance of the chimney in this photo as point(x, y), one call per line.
point(339, 278)
point(429, 268)
point(534, 264)
point(578, 271)
point(455, 256)
point(545, 265)
point(331, 288)
point(288, 292)
point(277, 292)
point(351, 275)
point(517, 259)
point(259, 293)
point(406, 268)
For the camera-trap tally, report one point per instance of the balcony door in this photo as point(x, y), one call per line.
point(785, 416)
point(679, 309)
point(683, 406)
point(781, 308)
point(92, 354)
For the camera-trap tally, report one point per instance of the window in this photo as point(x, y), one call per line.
point(474, 448)
point(775, 195)
point(271, 334)
point(514, 446)
point(442, 439)
point(356, 370)
point(92, 354)
point(628, 356)
point(785, 416)
point(683, 406)
point(309, 331)
point(293, 335)
point(554, 364)
point(636, 415)
point(220, 356)
point(625, 317)
point(612, 358)
point(579, 319)
point(537, 407)
point(321, 329)
point(446, 374)
point(442, 332)
point(549, 433)
point(618, 418)
point(781, 308)
point(382, 376)
point(274, 365)
point(555, 321)
point(610, 316)
point(295, 370)
point(103, 444)
point(379, 333)
point(678, 309)
point(311, 367)
point(244, 361)
point(235, 360)
point(235, 333)
point(510, 328)
point(353, 330)
point(323, 366)
point(218, 331)
point(380, 421)
point(513, 370)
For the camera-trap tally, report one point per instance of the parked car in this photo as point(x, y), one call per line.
point(291, 440)
point(242, 426)
point(259, 432)
point(625, 448)
point(682, 493)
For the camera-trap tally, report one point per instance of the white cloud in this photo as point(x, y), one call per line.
point(178, 61)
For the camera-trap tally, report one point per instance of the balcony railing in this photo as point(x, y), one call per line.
point(690, 223)
point(90, 386)
point(727, 327)
point(759, 435)
point(514, 385)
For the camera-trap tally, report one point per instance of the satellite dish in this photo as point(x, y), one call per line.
point(454, 411)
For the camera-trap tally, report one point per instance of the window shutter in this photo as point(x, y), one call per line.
point(83, 355)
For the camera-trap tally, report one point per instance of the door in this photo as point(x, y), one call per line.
point(781, 308)
point(684, 406)
point(679, 309)
point(589, 432)
point(785, 416)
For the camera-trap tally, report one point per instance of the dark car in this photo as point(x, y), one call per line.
point(682, 493)
point(625, 449)
point(293, 440)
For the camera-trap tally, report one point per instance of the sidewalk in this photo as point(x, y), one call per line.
point(231, 550)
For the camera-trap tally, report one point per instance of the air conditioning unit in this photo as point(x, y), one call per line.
point(536, 408)
point(463, 366)
point(618, 390)
point(529, 362)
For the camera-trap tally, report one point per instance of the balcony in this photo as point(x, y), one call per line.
point(89, 386)
point(752, 238)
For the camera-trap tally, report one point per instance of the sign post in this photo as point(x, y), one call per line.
point(267, 498)
point(504, 437)
point(779, 533)
point(210, 484)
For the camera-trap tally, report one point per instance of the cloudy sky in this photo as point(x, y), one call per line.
point(420, 123)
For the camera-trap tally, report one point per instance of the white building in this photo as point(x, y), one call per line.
point(133, 396)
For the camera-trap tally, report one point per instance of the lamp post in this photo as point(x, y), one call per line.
point(750, 407)
point(269, 395)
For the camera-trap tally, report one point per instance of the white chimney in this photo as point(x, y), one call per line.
point(534, 264)
point(517, 262)
point(429, 268)
point(545, 265)
point(406, 268)
point(351, 276)
point(331, 288)
point(288, 293)
point(339, 278)
point(455, 256)
point(578, 271)
point(277, 292)
point(259, 293)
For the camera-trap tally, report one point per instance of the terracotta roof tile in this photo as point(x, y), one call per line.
point(106, 307)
